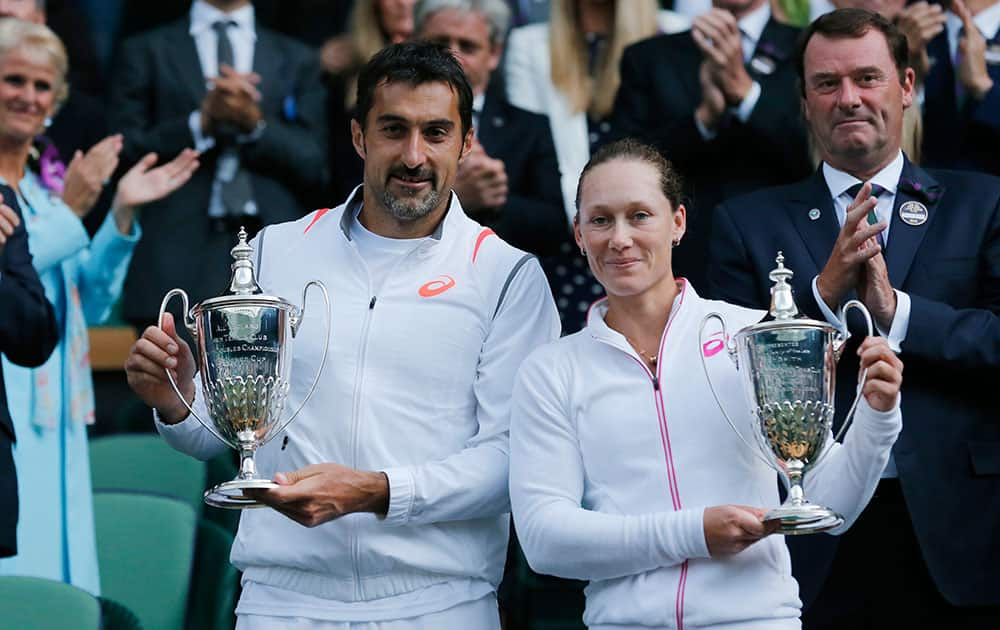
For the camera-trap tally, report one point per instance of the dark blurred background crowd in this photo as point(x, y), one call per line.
point(264, 91)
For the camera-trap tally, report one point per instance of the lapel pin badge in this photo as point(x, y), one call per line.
point(814, 214)
point(913, 213)
point(763, 65)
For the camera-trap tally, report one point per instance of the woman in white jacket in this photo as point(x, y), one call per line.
point(623, 469)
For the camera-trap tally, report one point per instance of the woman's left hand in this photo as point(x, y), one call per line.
point(885, 373)
point(143, 184)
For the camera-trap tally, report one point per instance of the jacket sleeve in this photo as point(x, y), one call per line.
point(28, 331)
point(131, 106)
point(190, 436)
point(472, 483)
point(103, 268)
point(845, 478)
point(559, 536)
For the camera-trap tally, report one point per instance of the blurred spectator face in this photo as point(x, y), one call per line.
point(26, 10)
point(854, 99)
point(411, 145)
point(467, 34)
point(886, 8)
point(27, 96)
point(396, 19)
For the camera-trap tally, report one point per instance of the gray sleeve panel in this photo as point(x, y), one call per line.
point(260, 252)
point(510, 278)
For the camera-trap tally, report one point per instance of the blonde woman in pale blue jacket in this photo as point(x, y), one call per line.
point(52, 405)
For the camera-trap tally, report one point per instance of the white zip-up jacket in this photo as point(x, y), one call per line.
point(612, 466)
point(417, 384)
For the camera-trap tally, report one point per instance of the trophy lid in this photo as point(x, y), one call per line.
point(783, 313)
point(243, 287)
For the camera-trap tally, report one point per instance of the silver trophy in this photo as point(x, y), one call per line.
point(788, 366)
point(244, 354)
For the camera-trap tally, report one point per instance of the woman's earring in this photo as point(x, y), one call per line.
point(677, 241)
point(583, 252)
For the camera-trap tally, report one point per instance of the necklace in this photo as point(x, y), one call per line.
point(649, 358)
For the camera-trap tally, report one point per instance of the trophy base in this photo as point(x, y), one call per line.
point(231, 496)
point(804, 519)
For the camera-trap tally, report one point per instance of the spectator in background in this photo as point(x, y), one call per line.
point(74, 154)
point(932, 285)
point(962, 89)
point(259, 125)
point(372, 25)
point(51, 405)
point(28, 333)
point(510, 179)
point(724, 111)
point(567, 69)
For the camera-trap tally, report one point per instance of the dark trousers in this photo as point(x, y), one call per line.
point(8, 497)
point(879, 579)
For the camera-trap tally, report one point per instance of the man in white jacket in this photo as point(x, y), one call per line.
point(399, 461)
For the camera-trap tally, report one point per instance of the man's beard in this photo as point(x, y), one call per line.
point(411, 208)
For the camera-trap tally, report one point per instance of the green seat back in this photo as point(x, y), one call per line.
point(145, 463)
point(145, 549)
point(29, 603)
point(215, 580)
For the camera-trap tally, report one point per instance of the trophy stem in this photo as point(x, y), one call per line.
point(797, 515)
point(248, 467)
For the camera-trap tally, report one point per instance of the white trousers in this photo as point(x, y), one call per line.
point(481, 614)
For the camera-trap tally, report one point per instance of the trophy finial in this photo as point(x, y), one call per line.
point(243, 281)
point(782, 301)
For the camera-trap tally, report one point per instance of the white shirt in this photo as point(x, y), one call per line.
point(242, 37)
point(751, 27)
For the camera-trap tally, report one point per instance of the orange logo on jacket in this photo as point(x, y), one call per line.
point(436, 287)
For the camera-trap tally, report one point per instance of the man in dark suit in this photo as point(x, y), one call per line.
point(259, 125)
point(921, 249)
point(719, 101)
point(28, 334)
point(510, 180)
point(962, 90)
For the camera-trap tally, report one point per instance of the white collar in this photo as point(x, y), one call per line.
point(477, 102)
point(888, 178)
point(987, 21)
point(204, 15)
point(752, 24)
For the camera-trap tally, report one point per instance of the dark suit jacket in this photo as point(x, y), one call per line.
point(948, 454)
point(534, 217)
point(157, 85)
point(28, 334)
point(966, 139)
point(656, 102)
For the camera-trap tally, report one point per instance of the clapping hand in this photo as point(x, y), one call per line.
point(88, 173)
point(972, 70)
point(718, 36)
point(233, 100)
point(920, 22)
point(143, 184)
point(854, 246)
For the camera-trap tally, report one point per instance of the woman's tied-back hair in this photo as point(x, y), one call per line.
point(631, 149)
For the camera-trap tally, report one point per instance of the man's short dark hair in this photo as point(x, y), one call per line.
point(852, 24)
point(416, 63)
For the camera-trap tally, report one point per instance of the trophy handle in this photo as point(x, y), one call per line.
point(711, 386)
point(189, 323)
point(296, 321)
point(864, 374)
